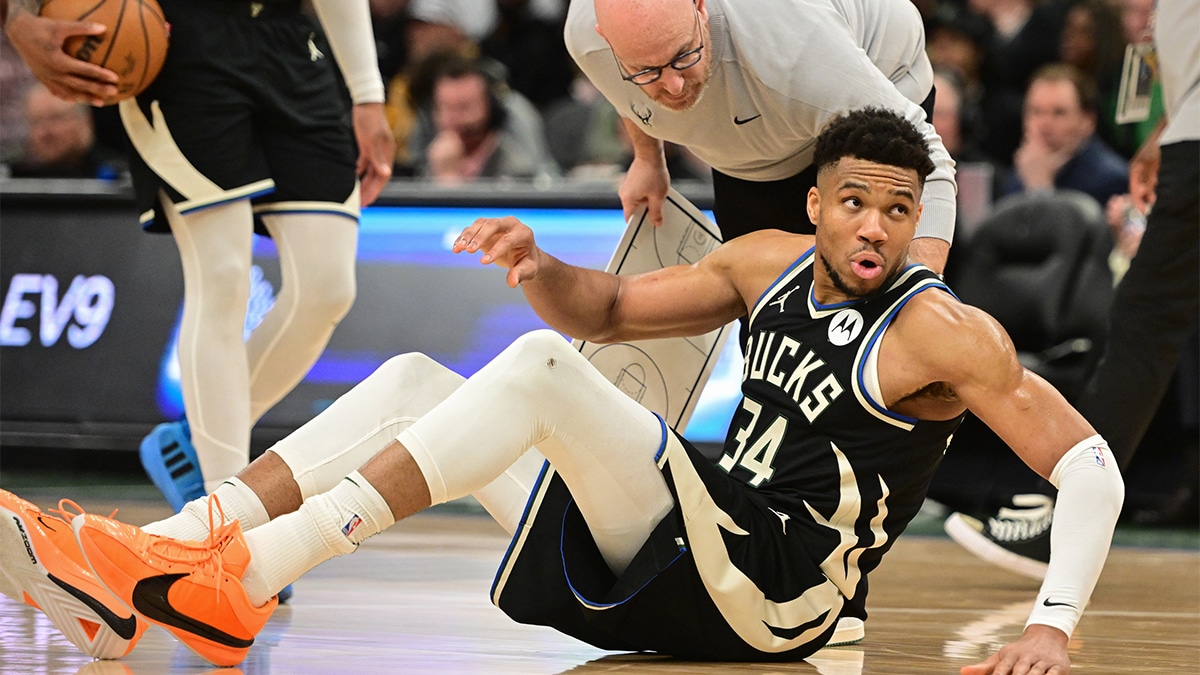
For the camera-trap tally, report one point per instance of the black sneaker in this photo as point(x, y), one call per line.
point(1017, 539)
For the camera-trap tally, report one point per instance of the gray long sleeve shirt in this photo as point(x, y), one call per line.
point(797, 64)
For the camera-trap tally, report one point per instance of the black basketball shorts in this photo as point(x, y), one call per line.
point(718, 579)
point(248, 105)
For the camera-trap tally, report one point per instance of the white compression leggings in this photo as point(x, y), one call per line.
point(474, 437)
point(228, 383)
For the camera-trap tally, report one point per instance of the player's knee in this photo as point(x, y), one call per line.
point(319, 301)
point(542, 347)
point(224, 278)
point(533, 363)
point(407, 372)
point(335, 300)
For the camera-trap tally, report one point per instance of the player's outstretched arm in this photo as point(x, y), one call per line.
point(597, 306)
point(968, 350)
point(40, 41)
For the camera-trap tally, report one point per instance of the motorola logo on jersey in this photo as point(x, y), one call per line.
point(844, 327)
point(81, 312)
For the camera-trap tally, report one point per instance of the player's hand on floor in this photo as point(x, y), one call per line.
point(1041, 650)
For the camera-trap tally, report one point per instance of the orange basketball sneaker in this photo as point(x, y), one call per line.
point(192, 589)
point(42, 566)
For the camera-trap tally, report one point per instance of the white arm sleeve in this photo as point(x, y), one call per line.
point(347, 25)
point(1090, 494)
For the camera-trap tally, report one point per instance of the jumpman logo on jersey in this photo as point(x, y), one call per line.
point(314, 54)
point(782, 299)
point(783, 517)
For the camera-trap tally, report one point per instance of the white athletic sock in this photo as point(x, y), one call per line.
point(238, 502)
point(325, 526)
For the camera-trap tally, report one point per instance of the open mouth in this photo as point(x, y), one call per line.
point(866, 268)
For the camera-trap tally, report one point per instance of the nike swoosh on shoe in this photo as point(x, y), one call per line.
point(150, 600)
point(124, 627)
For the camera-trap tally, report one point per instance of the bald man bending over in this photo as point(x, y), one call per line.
point(747, 86)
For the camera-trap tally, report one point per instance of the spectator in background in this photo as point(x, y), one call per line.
point(530, 45)
point(1059, 148)
point(1024, 37)
point(62, 141)
point(1093, 42)
point(474, 126)
point(15, 79)
point(955, 39)
point(956, 116)
point(1154, 316)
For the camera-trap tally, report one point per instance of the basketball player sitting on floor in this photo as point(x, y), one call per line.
point(860, 366)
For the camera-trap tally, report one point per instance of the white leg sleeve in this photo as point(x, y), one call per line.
point(365, 419)
point(1090, 494)
point(317, 259)
point(215, 249)
point(368, 417)
point(541, 391)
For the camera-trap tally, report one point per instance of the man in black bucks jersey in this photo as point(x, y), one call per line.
point(859, 367)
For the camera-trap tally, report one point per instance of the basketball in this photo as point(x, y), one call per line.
point(134, 47)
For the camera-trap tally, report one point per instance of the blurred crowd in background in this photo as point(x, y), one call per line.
point(1028, 93)
point(481, 89)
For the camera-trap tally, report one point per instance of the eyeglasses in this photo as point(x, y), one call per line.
point(682, 62)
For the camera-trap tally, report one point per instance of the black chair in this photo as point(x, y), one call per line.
point(1039, 265)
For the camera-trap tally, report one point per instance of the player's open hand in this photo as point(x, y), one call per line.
point(376, 149)
point(506, 242)
point(1042, 650)
point(40, 40)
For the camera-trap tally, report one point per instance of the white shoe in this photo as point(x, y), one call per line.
point(849, 631)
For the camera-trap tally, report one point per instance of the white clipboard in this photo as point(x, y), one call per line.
point(666, 376)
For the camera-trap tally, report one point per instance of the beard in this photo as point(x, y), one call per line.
point(837, 280)
point(694, 92)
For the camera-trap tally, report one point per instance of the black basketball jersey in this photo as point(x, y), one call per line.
point(770, 543)
point(811, 435)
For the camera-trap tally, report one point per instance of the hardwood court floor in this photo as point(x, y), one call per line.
point(415, 600)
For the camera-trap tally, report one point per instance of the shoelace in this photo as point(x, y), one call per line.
point(205, 553)
point(68, 509)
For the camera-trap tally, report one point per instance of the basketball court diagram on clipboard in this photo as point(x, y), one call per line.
point(666, 376)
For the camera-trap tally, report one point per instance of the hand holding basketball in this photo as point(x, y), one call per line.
point(133, 44)
point(39, 41)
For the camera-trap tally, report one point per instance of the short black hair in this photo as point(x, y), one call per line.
point(874, 135)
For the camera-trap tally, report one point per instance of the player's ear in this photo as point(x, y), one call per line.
point(814, 204)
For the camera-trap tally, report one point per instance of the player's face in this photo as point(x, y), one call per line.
point(866, 214)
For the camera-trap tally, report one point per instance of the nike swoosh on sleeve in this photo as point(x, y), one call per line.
point(150, 600)
point(124, 627)
point(739, 121)
point(1047, 603)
